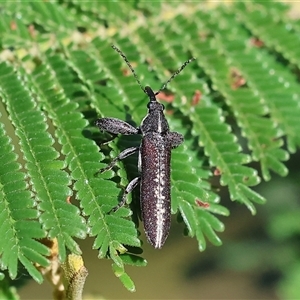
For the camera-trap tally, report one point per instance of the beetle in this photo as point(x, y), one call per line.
point(153, 162)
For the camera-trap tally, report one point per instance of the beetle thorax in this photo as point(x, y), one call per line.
point(155, 121)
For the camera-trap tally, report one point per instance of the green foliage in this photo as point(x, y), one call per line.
point(18, 229)
point(236, 104)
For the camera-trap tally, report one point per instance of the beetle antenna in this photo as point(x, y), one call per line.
point(175, 74)
point(130, 66)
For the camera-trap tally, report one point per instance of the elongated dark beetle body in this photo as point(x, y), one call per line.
point(154, 162)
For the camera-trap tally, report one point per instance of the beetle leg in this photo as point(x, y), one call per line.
point(125, 153)
point(129, 188)
point(116, 126)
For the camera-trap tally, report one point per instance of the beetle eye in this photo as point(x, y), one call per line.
point(148, 105)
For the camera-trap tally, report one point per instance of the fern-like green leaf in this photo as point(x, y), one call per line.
point(279, 89)
point(59, 218)
point(244, 101)
point(189, 185)
point(274, 34)
point(19, 228)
